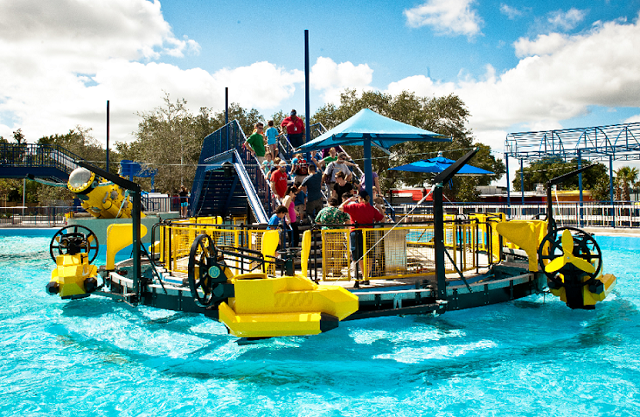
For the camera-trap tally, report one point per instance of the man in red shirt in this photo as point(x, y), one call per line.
point(278, 180)
point(295, 129)
point(361, 213)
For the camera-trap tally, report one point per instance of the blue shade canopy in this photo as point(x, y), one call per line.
point(437, 165)
point(369, 126)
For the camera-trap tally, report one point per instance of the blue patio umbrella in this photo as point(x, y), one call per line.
point(437, 165)
point(368, 128)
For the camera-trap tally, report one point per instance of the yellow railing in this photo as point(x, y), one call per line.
point(406, 251)
point(175, 240)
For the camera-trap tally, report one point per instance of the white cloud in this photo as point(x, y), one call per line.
point(62, 60)
point(421, 85)
point(450, 17)
point(261, 85)
point(542, 45)
point(511, 12)
point(566, 20)
point(83, 33)
point(633, 119)
point(332, 78)
point(558, 78)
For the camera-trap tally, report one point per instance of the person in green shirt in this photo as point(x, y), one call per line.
point(330, 215)
point(256, 143)
point(333, 156)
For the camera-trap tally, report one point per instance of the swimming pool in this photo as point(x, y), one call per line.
point(532, 356)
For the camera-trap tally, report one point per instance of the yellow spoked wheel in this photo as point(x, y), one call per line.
point(570, 251)
point(74, 239)
point(201, 258)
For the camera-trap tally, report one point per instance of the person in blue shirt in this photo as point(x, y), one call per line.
point(272, 138)
point(277, 219)
point(278, 222)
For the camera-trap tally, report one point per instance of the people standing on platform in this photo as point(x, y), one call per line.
point(335, 167)
point(272, 138)
point(361, 213)
point(255, 143)
point(341, 186)
point(376, 182)
point(299, 168)
point(268, 163)
point(313, 182)
point(301, 202)
point(331, 215)
point(277, 218)
point(333, 156)
point(184, 202)
point(289, 203)
point(278, 180)
point(295, 129)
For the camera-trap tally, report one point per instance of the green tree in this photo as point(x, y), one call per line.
point(18, 136)
point(625, 178)
point(446, 115)
point(81, 142)
point(169, 138)
point(541, 171)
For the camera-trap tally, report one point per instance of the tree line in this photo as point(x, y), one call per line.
point(169, 139)
point(595, 179)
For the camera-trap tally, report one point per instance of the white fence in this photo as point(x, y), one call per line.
point(621, 214)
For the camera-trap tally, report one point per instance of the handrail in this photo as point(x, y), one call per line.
point(231, 138)
point(37, 156)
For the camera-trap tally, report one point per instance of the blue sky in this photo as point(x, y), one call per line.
point(517, 65)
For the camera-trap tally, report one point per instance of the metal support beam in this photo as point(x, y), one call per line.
point(580, 216)
point(307, 106)
point(506, 161)
point(135, 217)
point(226, 113)
point(438, 219)
point(368, 170)
point(522, 185)
point(438, 238)
point(613, 206)
point(107, 135)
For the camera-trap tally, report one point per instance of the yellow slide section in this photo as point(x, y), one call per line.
point(527, 234)
point(119, 236)
point(286, 306)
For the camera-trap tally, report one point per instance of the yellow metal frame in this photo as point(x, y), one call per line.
point(407, 251)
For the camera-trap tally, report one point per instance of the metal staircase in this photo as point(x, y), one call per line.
point(228, 180)
point(47, 162)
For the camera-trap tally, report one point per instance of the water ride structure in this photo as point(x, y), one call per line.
point(227, 268)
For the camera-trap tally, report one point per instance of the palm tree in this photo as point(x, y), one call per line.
point(624, 177)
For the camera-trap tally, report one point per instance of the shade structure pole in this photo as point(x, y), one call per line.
point(438, 238)
point(368, 170)
point(307, 106)
point(226, 114)
point(506, 161)
point(522, 182)
point(107, 155)
point(580, 187)
point(613, 207)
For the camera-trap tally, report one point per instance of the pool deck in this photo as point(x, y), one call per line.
point(610, 231)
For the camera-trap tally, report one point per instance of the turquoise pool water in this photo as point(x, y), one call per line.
point(531, 357)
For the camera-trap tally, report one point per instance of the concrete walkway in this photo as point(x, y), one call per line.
point(610, 231)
